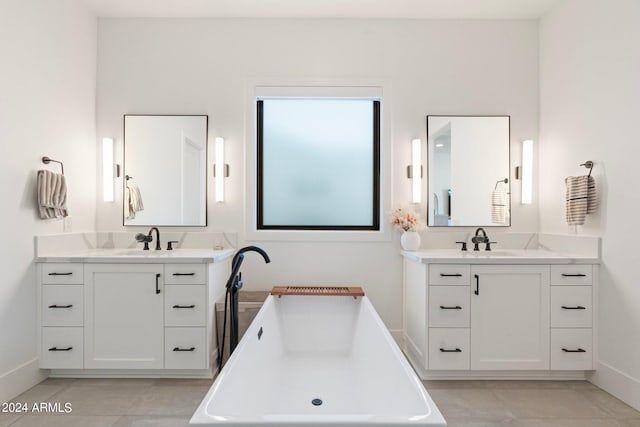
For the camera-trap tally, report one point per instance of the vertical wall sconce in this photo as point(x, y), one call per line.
point(107, 170)
point(414, 171)
point(527, 172)
point(220, 169)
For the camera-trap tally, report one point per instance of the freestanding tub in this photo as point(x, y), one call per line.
point(317, 361)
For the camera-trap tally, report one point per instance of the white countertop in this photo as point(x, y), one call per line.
point(139, 256)
point(498, 256)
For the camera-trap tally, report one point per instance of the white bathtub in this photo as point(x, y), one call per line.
point(331, 348)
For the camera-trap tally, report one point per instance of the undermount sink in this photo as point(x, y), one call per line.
point(135, 252)
point(513, 253)
point(494, 253)
point(498, 253)
point(496, 256)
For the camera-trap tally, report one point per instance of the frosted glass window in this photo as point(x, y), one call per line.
point(318, 164)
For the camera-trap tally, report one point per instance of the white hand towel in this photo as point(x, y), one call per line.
point(133, 201)
point(52, 195)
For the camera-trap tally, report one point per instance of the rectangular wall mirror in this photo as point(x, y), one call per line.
point(468, 171)
point(165, 167)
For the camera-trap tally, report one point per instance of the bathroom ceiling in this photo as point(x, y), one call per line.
point(415, 9)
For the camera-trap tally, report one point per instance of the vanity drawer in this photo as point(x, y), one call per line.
point(572, 349)
point(62, 348)
point(185, 348)
point(449, 348)
point(449, 306)
point(188, 274)
point(449, 274)
point(62, 273)
point(62, 305)
point(184, 305)
point(571, 275)
point(571, 306)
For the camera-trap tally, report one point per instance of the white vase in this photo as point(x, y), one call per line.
point(410, 241)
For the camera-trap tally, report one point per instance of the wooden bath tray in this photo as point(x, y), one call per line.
point(347, 291)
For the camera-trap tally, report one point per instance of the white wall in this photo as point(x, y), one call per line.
point(47, 89)
point(590, 105)
point(433, 67)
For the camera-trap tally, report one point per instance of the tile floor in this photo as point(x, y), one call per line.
point(149, 402)
point(529, 404)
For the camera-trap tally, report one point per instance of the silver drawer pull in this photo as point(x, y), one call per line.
point(60, 306)
point(184, 349)
point(456, 350)
point(184, 306)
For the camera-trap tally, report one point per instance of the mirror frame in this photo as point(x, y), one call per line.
point(428, 199)
point(206, 169)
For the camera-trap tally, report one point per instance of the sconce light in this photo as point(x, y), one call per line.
point(414, 171)
point(220, 169)
point(107, 170)
point(527, 172)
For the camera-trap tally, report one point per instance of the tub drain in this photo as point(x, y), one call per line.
point(316, 402)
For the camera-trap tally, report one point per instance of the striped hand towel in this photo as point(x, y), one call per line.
point(580, 199)
point(52, 194)
point(592, 200)
point(499, 206)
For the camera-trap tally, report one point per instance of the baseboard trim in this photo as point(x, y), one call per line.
point(21, 379)
point(133, 373)
point(506, 375)
point(396, 334)
point(617, 383)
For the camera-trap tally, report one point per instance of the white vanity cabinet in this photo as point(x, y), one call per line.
point(492, 320)
point(149, 318)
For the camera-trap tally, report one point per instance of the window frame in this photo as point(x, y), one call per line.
point(375, 225)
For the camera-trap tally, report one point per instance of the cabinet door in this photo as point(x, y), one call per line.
point(509, 317)
point(124, 316)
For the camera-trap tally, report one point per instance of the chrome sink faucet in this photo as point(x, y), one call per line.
point(146, 238)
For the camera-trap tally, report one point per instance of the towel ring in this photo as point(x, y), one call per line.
point(589, 165)
point(128, 177)
point(46, 160)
